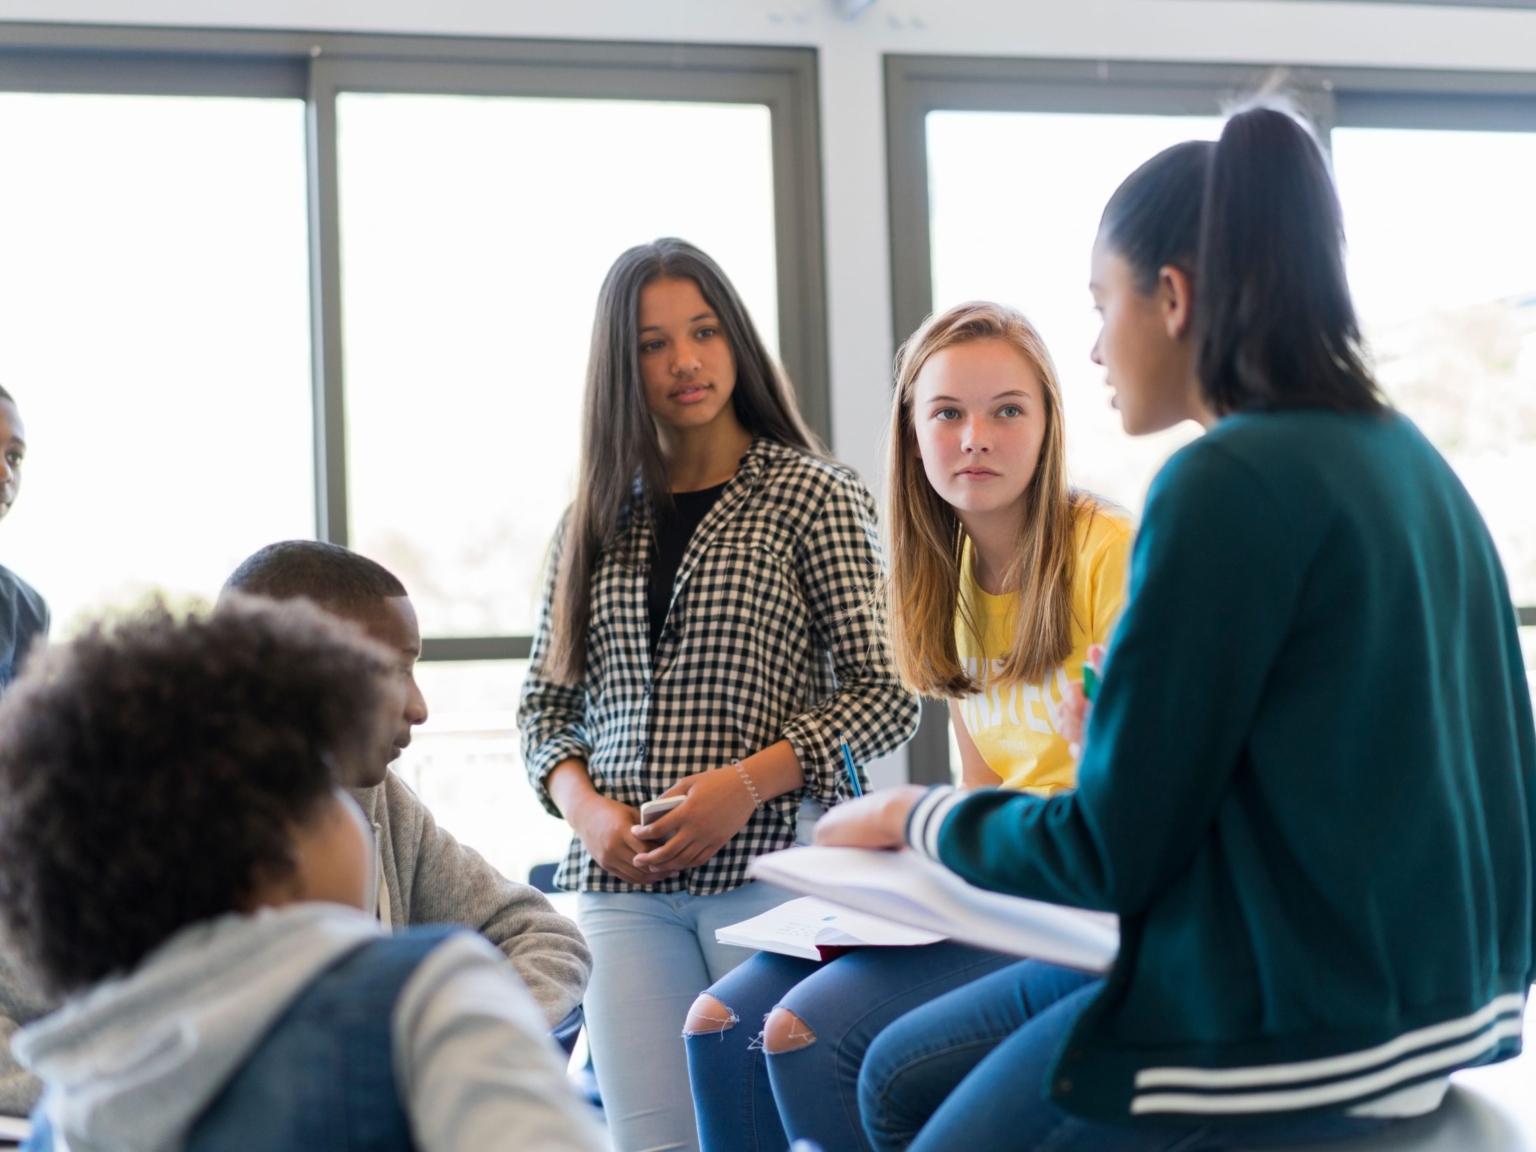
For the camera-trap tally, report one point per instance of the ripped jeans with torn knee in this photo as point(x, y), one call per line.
point(796, 1077)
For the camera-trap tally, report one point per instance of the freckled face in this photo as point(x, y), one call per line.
point(978, 413)
point(687, 367)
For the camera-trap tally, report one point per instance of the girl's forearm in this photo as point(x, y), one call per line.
point(569, 785)
point(775, 770)
point(975, 772)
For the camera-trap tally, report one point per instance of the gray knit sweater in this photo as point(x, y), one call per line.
point(431, 878)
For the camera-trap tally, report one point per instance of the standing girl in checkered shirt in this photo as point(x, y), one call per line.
point(708, 630)
point(1002, 579)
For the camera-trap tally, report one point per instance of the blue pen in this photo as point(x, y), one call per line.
point(853, 773)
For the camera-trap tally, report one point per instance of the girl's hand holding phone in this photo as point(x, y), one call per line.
point(718, 806)
point(606, 827)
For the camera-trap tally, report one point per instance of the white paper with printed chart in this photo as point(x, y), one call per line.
point(907, 889)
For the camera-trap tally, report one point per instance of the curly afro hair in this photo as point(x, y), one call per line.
point(152, 769)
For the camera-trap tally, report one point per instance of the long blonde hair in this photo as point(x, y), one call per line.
point(927, 540)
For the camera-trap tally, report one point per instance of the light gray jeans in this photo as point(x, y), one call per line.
point(652, 954)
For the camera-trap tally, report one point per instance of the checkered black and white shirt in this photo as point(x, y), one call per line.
point(774, 632)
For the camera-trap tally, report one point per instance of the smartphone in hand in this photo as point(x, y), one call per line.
point(653, 810)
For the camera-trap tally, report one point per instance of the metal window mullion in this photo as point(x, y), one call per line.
point(1323, 108)
point(906, 126)
point(450, 648)
point(799, 244)
point(907, 181)
point(325, 309)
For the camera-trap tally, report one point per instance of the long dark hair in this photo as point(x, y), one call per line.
point(618, 436)
point(1254, 221)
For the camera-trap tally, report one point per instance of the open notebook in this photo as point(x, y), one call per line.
point(910, 890)
point(812, 929)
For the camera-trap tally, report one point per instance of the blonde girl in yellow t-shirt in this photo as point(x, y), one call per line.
point(1002, 576)
point(1001, 579)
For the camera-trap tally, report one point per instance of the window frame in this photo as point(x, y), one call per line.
point(316, 67)
point(1333, 97)
point(1456, 3)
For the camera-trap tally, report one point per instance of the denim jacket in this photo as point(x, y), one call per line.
point(305, 1026)
point(324, 1076)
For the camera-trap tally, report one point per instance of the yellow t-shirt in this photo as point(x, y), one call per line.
point(1011, 723)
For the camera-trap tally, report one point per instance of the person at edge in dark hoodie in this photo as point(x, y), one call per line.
point(23, 614)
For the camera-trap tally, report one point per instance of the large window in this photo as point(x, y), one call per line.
point(469, 280)
point(1013, 196)
point(1442, 260)
point(1000, 169)
point(154, 305)
point(262, 286)
point(464, 764)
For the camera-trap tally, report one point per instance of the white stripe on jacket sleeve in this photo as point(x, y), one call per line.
point(926, 820)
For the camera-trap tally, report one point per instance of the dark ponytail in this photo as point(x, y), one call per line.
point(1276, 324)
point(1153, 219)
point(1254, 220)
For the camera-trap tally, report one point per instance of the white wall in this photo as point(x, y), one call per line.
point(1242, 31)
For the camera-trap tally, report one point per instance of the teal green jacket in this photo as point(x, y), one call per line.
point(1308, 787)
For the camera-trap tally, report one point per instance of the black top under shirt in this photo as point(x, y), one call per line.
point(672, 535)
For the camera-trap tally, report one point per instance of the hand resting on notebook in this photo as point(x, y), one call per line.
point(875, 821)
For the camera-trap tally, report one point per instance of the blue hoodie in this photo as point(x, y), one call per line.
point(23, 619)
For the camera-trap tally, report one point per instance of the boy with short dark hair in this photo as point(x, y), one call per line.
point(179, 862)
point(425, 875)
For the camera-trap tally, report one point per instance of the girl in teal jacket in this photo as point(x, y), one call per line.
point(1308, 785)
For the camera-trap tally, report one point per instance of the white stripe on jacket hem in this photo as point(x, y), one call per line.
point(1265, 1074)
point(1407, 1062)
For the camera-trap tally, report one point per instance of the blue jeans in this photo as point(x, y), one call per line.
point(652, 954)
point(968, 1072)
point(748, 1101)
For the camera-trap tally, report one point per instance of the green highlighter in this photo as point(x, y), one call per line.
point(1090, 682)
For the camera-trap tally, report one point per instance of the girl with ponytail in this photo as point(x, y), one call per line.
point(1308, 782)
